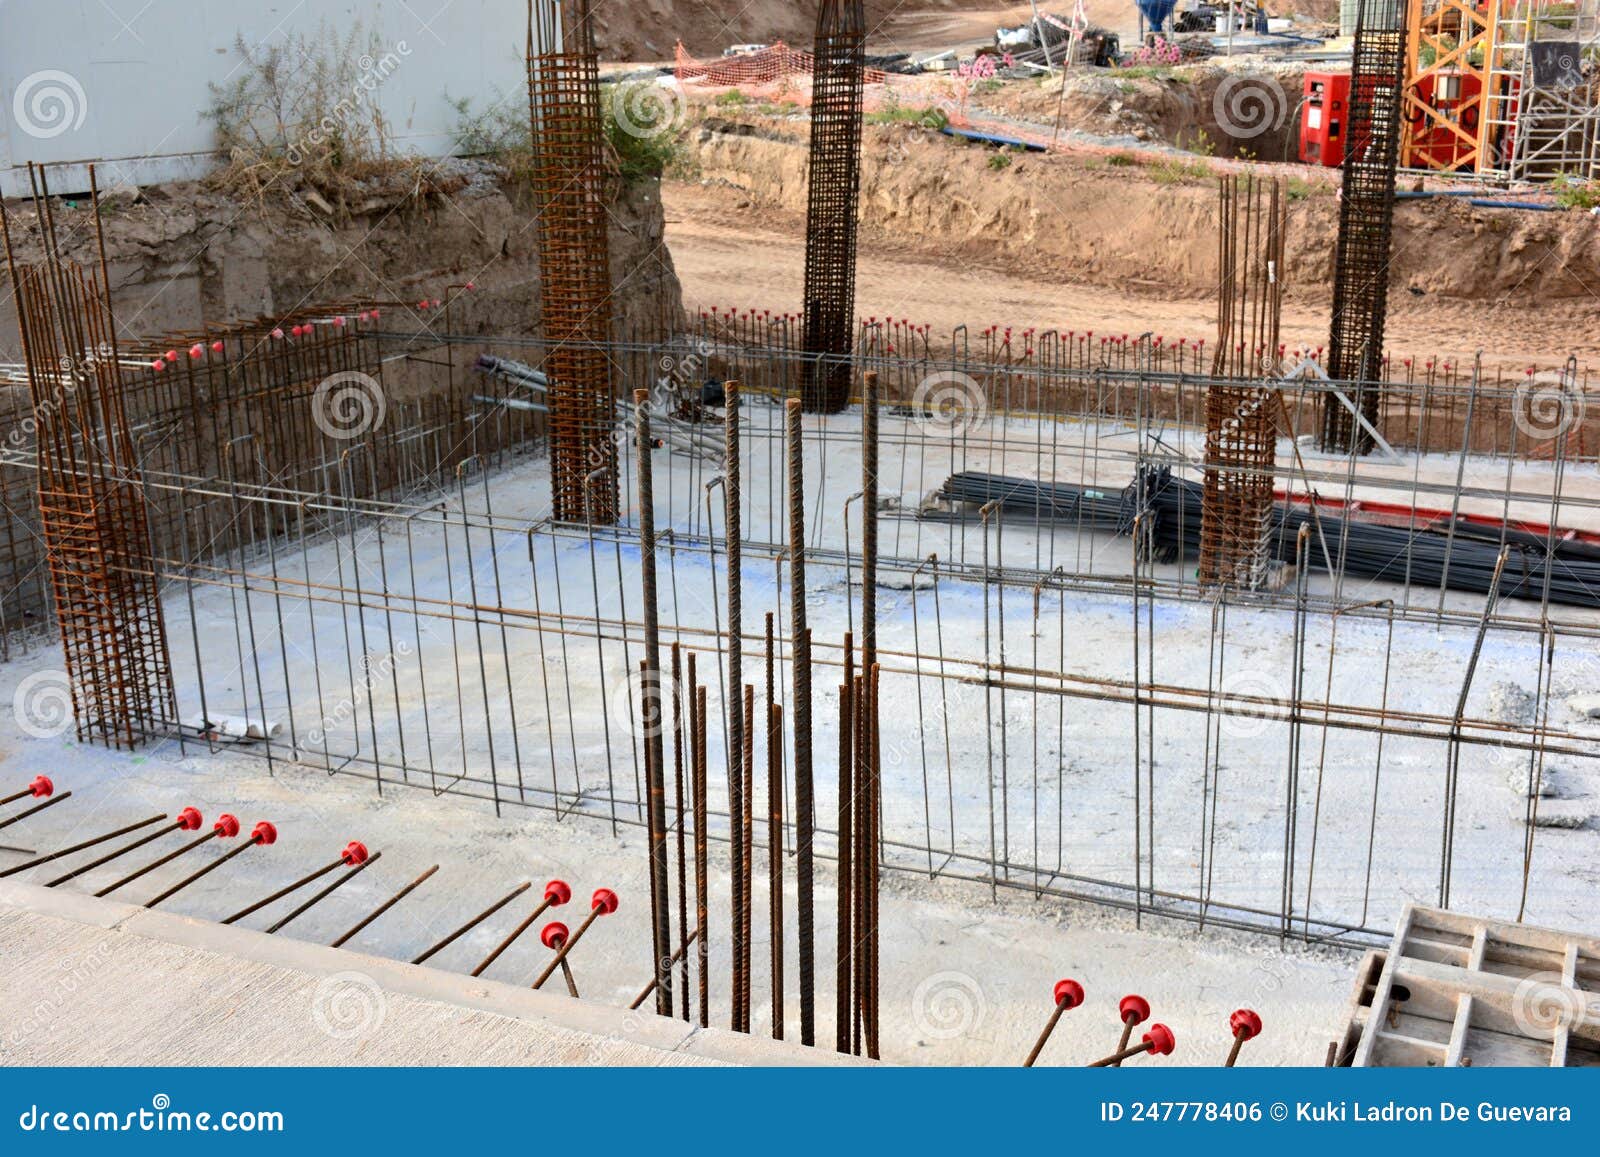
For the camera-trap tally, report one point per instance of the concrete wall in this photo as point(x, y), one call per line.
point(126, 81)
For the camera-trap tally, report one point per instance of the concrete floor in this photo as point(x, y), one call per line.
point(93, 982)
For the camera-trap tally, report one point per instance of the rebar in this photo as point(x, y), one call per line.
point(570, 187)
point(832, 209)
point(1366, 221)
point(654, 711)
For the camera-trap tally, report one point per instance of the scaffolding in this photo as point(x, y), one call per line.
point(1506, 89)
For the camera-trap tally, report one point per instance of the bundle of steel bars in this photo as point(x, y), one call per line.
point(1456, 554)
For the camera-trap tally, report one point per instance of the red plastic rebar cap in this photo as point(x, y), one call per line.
point(227, 826)
point(264, 833)
point(604, 898)
point(554, 934)
point(1135, 1009)
point(42, 787)
point(1245, 1023)
point(216, 347)
point(558, 892)
point(355, 852)
point(197, 351)
point(1160, 1040)
point(190, 819)
point(1069, 991)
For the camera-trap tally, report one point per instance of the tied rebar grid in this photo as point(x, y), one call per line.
point(90, 494)
point(1366, 220)
point(1242, 406)
point(569, 183)
point(830, 288)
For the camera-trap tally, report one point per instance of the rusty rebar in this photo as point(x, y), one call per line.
point(50, 857)
point(655, 763)
point(385, 906)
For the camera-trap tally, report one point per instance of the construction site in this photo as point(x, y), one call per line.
point(962, 535)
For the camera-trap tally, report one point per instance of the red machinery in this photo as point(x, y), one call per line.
point(1323, 110)
point(1443, 129)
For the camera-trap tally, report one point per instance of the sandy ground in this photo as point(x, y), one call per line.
point(966, 977)
point(727, 253)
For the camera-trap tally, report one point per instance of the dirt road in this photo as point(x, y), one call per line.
point(731, 255)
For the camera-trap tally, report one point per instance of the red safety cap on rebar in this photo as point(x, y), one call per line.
point(1245, 1023)
point(604, 898)
point(227, 825)
point(554, 935)
point(1134, 1009)
point(558, 892)
point(264, 833)
point(1160, 1040)
point(42, 786)
point(355, 852)
point(1070, 992)
point(190, 819)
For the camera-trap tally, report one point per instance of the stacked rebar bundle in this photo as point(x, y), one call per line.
point(90, 494)
point(1242, 411)
point(1366, 220)
point(831, 218)
point(569, 182)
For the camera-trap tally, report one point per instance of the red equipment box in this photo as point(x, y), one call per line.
point(1323, 111)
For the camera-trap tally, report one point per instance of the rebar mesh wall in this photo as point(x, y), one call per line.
point(831, 213)
point(1242, 414)
point(574, 260)
point(1366, 220)
point(91, 503)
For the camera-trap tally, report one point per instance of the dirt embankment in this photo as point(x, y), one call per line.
point(1139, 220)
point(647, 29)
point(1246, 113)
point(183, 256)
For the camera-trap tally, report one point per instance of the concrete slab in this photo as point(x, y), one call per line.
point(93, 982)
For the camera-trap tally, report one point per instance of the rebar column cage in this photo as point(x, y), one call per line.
point(1366, 221)
point(91, 500)
point(831, 211)
point(569, 184)
point(1242, 405)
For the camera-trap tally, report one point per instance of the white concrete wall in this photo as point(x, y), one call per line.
point(125, 82)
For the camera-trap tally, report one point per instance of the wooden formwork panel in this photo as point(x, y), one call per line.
point(1457, 990)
